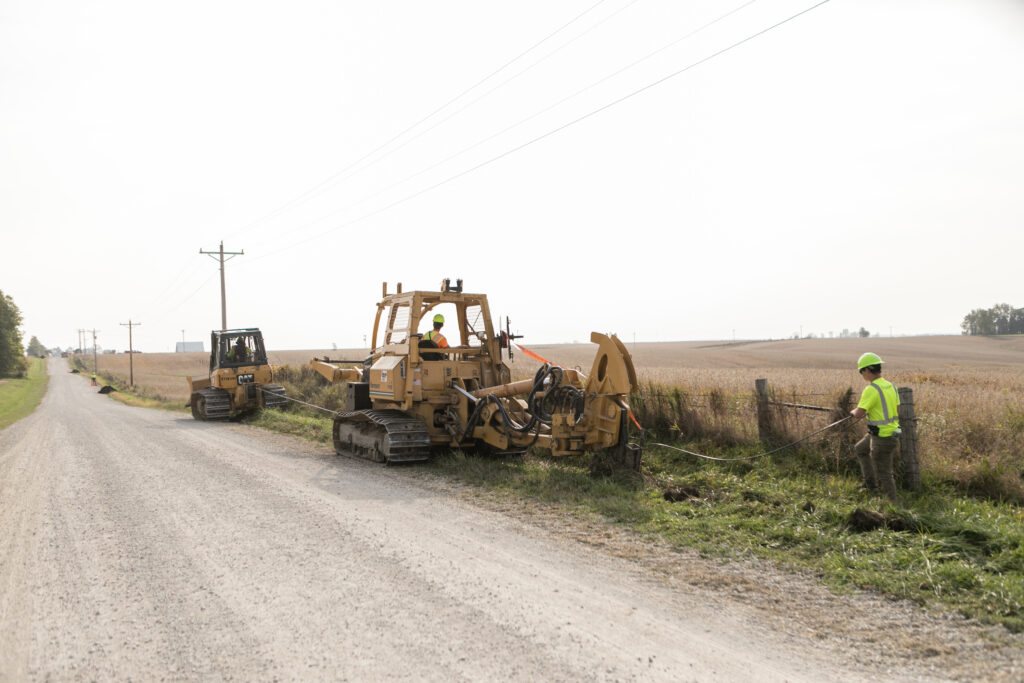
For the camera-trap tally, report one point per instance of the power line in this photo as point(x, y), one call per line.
point(314, 190)
point(521, 121)
point(483, 95)
point(183, 274)
point(194, 292)
point(549, 133)
point(482, 141)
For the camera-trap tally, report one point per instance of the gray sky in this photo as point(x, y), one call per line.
point(861, 164)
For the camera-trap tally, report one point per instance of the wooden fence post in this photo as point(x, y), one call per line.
point(908, 440)
point(764, 420)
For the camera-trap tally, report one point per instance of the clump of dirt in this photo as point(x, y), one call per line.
point(679, 493)
point(863, 519)
point(106, 389)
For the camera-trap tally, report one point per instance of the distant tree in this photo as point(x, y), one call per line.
point(35, 348)
point(979, 321)
point(1017, 321)
point(863, 333)
point(12, 360)
point(1000, 319)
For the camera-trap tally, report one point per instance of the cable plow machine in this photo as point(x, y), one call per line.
point(411, 395)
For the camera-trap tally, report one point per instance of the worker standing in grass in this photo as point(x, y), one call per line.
point(435, 335)
point(879, 402)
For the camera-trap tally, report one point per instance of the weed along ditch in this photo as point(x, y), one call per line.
point(954, 539)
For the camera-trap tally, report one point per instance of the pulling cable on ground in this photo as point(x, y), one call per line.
point(295, 400)
point(759, 455)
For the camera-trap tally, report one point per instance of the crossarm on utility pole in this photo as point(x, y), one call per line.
point(219, 255)
point(131, 353)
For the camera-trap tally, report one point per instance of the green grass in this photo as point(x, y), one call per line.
point(957, 552)
point(313, 428)
point(19, 397)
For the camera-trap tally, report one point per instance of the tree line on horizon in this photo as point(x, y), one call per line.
point(12, 355)
point(1000, 319)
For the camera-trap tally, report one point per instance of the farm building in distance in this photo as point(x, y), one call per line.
point(186, 347)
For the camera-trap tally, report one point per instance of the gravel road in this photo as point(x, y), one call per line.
point(140, 544)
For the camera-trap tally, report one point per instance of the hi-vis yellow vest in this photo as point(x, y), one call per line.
point(880, 400)
point(437, 338)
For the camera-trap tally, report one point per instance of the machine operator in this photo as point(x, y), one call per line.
point(238, 352)
point(435, 335)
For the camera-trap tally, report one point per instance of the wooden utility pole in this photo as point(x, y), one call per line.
point(95, 362)
point(131, 353)
point(219, 255)
point(81, 340)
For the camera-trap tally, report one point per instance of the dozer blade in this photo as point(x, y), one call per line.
point(388, 436)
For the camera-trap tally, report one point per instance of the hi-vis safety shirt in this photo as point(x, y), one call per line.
point(880, 401)
point(437, 338)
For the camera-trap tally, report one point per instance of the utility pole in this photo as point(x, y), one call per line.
point(219, 255)
point(95, 363)
point(81, 341)
point(131, 353)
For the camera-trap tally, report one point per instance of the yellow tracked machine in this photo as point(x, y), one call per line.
point(240, 378)
point(410, 396)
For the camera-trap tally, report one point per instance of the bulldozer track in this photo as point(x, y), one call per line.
point(388, 436)
point(211, 404)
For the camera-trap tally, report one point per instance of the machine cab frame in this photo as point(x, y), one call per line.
point(222, 341)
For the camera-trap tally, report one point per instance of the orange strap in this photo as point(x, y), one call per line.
point(531, 354)
point(534, 356)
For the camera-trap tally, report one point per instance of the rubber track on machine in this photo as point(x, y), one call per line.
point(218, 403)
point(408, 440)
point(273, 395)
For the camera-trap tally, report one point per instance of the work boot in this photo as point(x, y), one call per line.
point(867, 469)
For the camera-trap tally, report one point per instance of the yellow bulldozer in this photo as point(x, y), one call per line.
point(240, 380)
point(416, 391)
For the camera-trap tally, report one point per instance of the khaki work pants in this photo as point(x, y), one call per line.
point(875, 455)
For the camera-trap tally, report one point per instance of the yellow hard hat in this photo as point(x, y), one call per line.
point(439, 318)
point(868, 359)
